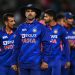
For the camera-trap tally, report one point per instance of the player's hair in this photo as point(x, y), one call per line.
point(51, 13)
point(58, 17)
point(6, 15)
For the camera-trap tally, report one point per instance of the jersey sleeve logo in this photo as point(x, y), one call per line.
point(4, 37)
point(24, 29)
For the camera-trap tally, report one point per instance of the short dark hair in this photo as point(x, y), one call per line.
point(6, 15)
point(60, 16)
point(51, 13)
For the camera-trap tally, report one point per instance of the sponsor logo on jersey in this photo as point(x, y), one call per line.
point(54, 36)
point(8, 42)
point(70, 37)
point(24, 29)
point(29, 35)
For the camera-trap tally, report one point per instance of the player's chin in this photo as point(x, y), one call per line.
point(11, 27)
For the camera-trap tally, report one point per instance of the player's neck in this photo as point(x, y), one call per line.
point(52, 23)
point(8, 30)
point(30, 20)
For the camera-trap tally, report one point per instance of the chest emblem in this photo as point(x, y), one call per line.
point(55, 31)
point(73, 32)
point(34, 30)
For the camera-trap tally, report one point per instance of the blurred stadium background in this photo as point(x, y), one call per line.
point(15, 5)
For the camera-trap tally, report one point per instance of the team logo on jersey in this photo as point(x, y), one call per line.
point(4, 37)
point(34, 30)
point(24, 29)
point(55, 31)
point(73, 32)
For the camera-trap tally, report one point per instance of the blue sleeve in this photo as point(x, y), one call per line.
point(17, 46)
point(65, 43)
point(46, 44)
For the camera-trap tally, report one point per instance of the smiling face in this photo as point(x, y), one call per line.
point(10, 22)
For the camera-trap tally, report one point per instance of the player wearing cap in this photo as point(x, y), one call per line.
point(29, 37)
point(71, 38)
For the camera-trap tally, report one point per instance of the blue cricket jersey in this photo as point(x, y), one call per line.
point(28, 45)
point(71, 38)
point(58, 34)
point(6, 47)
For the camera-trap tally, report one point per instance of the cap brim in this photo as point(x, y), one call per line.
point(38, 11)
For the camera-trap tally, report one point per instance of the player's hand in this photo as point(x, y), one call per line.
point(72, 43)
point(44, 65)
point(14, 67)
point(67, 65)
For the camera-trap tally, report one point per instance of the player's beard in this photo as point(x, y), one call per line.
point(48, 21)
point(70, 24)
point(30, 17)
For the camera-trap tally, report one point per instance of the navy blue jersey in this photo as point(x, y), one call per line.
point(71, 39)
point(6, 47)
point(58, 34)
point(28, 44)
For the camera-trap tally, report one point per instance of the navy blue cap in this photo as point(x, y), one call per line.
point(68, 15)
point(33, 7)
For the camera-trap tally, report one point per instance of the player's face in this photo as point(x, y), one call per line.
point(47, 18)
point(10, 22)
point(62, 22)
point(70, 21)
point(30, 14)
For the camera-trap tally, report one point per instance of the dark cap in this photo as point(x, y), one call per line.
point(33, 7)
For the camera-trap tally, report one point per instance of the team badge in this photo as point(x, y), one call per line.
point(34, 30)
point(73, 32)
point(55, 31)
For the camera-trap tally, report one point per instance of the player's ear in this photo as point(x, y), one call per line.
point(5, 22)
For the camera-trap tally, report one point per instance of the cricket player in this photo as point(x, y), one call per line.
point(57, 34)
point(71, 38)
point(7, 44)
point(29, 37)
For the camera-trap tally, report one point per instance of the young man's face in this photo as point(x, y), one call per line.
point(70, 21)
point(62, 22)
point(47, 18)
point(30, 14)
point(10, 22)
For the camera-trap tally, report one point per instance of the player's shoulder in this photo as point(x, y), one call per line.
point(1, 31)
point(40, 25)
point(73, 28)
point(59, 26)
point(21, 25)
